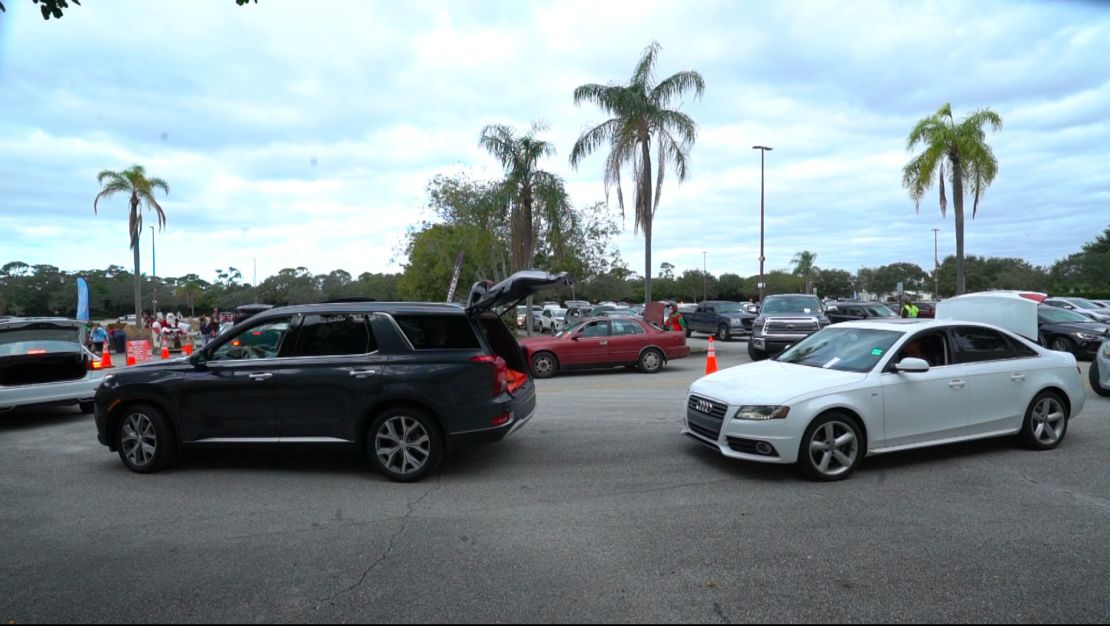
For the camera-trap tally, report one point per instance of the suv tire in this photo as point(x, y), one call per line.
point(145, 439)
point(754, 353)
point(404, 444)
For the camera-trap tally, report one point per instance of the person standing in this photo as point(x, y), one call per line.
point(909, 309)
point(99, 336)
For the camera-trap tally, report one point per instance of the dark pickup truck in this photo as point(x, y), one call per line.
point(721, 318)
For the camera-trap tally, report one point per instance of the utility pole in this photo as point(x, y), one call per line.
point(763, 150)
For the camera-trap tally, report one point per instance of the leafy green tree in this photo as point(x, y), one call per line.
point(666, 270)
point(696, 285)
point(777, 281)
point(732, 287)
point(834, 284)
point(805, 266)
point(884, 280)
point(640, 116)
point(963, 148)
point(135, 183)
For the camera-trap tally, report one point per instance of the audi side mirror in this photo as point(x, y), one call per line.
point(912, 366)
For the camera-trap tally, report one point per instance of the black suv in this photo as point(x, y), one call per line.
point(407, 382)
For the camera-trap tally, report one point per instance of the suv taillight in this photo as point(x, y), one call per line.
point(500, 372)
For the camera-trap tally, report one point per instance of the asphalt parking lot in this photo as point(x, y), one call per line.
point(597, 511)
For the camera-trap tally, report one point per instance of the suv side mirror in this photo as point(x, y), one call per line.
point(912, 366)
point(199, 360)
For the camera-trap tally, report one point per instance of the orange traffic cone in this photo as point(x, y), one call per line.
point(187, 349)
point(106, 357)
point(711, 360)
point(165, 351)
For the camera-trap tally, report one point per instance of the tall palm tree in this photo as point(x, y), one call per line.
point(804, 265)
point(640, 115)
point(134, 182)
point(536, 197)
point(963, 148)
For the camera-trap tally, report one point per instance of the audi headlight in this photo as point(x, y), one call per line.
point(761, 413)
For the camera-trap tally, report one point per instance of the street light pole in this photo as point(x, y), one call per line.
point(704, 278)
point(936, 265)
point(154, 276)
point(763, 150)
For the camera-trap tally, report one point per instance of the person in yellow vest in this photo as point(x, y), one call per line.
point(909, 309)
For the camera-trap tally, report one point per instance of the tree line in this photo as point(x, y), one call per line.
point(600, 274)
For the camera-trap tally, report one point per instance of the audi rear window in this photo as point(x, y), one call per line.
point(438, 332)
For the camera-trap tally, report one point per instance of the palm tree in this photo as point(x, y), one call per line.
point(536, 196)
point(963, 148)
point(134, 181)
point(640, 114)
point(804, 265)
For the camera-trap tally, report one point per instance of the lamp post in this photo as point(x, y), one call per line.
point(936, 266)
point(154, 276)
point(704, 278)
point(763, 150)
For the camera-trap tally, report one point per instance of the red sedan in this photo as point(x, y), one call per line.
point(608, 342)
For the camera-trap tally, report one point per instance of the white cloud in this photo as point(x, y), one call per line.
point(304, 135)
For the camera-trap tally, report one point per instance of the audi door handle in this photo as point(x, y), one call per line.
point(1017, 378)
point(957, 384)
point(263, 376)
point(362, 373)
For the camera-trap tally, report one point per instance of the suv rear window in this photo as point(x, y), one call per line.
point(334, 335)
point(25, 341)
point(439, 332)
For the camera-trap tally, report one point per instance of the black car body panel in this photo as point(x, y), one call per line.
point(851, 311)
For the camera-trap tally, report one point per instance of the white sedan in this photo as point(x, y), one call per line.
point(865, 388)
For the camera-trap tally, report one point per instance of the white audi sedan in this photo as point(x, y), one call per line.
point(864, 388)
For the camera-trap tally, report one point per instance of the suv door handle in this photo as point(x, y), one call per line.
point(957, 384)
point(1017, 378)
point(262, 376)
point(362, 373)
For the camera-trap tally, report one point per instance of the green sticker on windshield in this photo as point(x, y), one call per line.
point(877, 352)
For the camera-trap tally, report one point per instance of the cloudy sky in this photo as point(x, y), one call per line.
point(304, 133)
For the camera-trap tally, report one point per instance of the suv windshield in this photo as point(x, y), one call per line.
point(844, 349)
point(808, 305)
point(1054, 315)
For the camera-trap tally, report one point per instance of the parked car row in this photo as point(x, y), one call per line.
point(410, 383)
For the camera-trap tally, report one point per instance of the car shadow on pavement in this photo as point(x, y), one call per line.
point(31, 419)
point(769, 472)
point(316, 459)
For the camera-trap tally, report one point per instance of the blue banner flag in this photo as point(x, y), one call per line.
point(82, 300)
